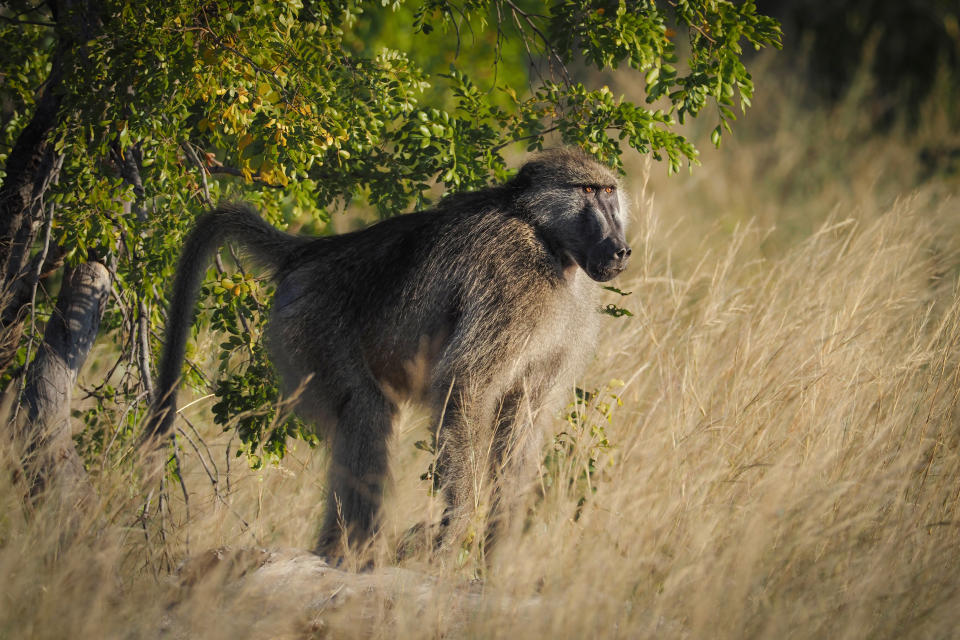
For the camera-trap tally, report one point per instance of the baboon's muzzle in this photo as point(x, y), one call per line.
point(608, 259)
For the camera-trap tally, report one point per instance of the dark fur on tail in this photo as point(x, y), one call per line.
point(228, 222)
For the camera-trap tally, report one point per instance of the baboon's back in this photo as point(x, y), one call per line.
point(453, 288)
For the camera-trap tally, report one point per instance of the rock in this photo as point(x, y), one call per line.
point(294, 593)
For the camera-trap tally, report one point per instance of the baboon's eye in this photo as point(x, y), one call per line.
point(588, 189)
point(608, 189)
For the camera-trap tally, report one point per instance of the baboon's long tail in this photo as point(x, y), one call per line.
point(237, 222)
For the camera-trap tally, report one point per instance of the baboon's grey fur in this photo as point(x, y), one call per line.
point(489, 292)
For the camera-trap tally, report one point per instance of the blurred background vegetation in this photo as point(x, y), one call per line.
point(906, 50)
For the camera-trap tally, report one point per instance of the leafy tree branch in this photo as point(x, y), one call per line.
point(148, 113)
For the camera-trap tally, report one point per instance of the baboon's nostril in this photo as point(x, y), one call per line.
point(621, 254)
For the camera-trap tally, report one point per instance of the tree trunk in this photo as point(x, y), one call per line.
point(43, 426)
point(67, 339)
point(31, 167)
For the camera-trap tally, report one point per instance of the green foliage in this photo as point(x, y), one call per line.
point(306, 107)
point(24, 63)
point(264, 429)
point(582, 452)
point(108, 425)
point(248, 380)
point(615, 311)
point(612, 309)
point(430, 475)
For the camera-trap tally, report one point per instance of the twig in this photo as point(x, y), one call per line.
point(526, 44)
point(229, 443)
point(190, 363)
point(214, 481)
point(243, 320)
point(215, 474)
point(498, 48)
point(547, 47)
point(143, 359)
point(116, 432)
point(142, 519)
point(34, 282)
point(456, 25)
point(162, 531)
point(529, 137)
point(192, 154)
point(183, 488)
point(691, 24)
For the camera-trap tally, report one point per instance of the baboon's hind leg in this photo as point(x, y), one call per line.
point(358, 469)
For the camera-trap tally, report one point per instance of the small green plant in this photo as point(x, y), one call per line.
point(581, 453)
point(472, 541)
point(612, 309)
point(430, 446)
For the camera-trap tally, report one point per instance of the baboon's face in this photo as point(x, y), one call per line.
point(597, 241)
point(577, 203)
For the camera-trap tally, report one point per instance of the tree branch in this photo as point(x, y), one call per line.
point(233, 171)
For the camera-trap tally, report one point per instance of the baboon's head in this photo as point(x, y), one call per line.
point(578, 205)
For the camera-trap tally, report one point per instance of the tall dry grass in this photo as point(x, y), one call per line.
point(785, 462)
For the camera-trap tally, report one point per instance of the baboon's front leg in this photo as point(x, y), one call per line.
point(357, 472)
point(486, 460)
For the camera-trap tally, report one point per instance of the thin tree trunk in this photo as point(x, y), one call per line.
point(31, 167)
point(43, 427)
point(67, 339)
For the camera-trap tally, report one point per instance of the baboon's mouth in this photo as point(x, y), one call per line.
point(607, 259)
point(605, 273)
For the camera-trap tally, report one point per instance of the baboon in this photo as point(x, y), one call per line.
point(494, 286)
